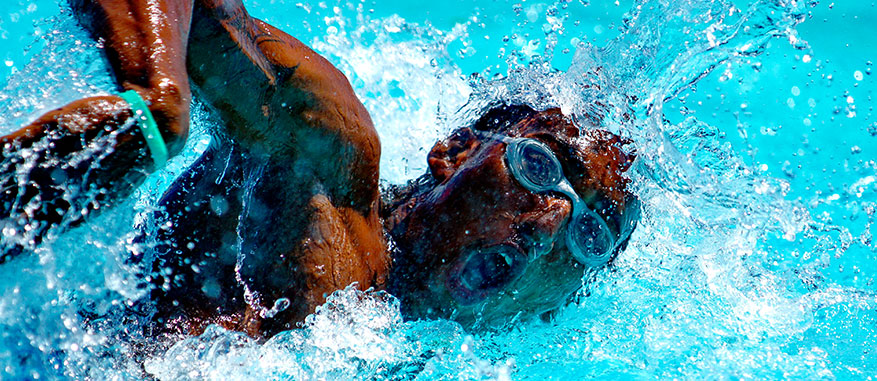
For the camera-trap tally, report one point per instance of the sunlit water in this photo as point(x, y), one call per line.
point(754, 128)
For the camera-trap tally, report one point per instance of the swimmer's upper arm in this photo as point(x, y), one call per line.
point(277, 95)
point(332, 105)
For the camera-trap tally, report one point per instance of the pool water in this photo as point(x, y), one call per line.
point(756, 138)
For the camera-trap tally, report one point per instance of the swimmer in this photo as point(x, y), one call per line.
point(285, 207)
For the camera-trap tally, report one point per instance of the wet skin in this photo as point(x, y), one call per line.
point(263, 215)
point(477, 203)
point(308, 227)
point(146, 57)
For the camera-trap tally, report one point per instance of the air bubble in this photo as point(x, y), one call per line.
point(281, 304)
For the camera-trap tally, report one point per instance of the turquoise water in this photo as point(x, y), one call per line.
point(756, 135)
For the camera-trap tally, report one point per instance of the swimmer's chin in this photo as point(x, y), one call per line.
point(474, 311)
point(481, 316)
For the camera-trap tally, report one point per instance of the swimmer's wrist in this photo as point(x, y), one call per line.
point(147, 127)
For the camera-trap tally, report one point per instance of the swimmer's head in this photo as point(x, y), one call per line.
point(475, 244)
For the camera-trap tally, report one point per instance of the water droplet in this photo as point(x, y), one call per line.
point(281, 304)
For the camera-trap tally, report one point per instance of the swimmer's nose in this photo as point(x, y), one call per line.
point(540, 228)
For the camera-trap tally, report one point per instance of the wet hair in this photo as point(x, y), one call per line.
point(502, 117)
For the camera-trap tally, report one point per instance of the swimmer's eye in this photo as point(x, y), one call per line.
point(491, 268)
point(589, 237)
point(534, 165)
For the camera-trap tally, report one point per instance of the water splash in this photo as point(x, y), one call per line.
point(725, 277)
point(406, 79)
point(70, 66)
point(355, 335)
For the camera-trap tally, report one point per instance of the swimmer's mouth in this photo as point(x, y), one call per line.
point(483, 271)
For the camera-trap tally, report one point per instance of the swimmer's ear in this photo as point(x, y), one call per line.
point(449, 154)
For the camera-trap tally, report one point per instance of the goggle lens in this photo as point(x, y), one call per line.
point(589, 240)
point(536, 167)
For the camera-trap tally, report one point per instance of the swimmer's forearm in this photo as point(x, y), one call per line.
point(69, 162)
point(90, 152)
point(145, 45)
point(88, 118)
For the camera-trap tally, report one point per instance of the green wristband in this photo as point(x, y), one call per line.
point(148, 127)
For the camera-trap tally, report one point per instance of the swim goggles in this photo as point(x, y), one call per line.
point(534, 165)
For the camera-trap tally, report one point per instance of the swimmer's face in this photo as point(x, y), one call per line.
point(479, 247)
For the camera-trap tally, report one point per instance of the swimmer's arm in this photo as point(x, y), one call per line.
point(44, 164)
point(276, 94)
point(76, 125)
point(67, 164)
point(70, 160)
point(266, 76)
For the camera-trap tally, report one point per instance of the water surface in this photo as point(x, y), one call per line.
point(754, 127)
